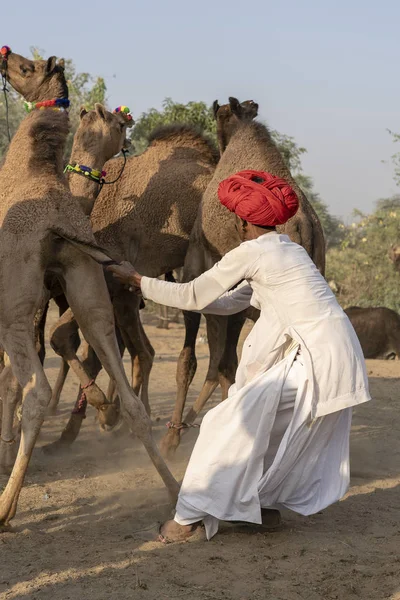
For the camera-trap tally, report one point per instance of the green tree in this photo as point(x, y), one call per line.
point(15, 115)
point(360, 266)
point(196, 113)
point(396, 158)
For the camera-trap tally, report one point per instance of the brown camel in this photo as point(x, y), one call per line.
point(43, 228)
point(247, 144)
point(92, 146)
point(100, 136)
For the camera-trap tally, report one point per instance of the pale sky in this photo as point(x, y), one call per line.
point(324, 72)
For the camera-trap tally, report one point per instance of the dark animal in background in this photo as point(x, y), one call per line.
point(378, 330)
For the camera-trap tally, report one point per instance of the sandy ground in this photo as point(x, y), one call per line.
point(86, 518)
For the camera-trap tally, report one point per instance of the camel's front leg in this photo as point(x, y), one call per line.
point(63, 341)
point(186, 369)
point(216, 334)
point(229, 361)
point(126, 307)
point(88, 297)
point(62, 304)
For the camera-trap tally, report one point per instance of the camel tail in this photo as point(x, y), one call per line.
point(98, 254)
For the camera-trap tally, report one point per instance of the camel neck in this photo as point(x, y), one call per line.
point(84, 188)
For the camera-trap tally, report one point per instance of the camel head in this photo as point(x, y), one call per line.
point(35, 80)
point(230, 116)
point(102, 132)
point(394, 255)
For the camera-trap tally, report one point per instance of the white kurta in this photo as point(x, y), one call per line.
point(233, 470)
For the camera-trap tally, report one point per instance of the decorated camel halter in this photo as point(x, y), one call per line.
point(5, 52)
point(93, 174)
point(124, 111)
point(55, 104)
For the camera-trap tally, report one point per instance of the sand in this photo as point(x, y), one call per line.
point(87, 517)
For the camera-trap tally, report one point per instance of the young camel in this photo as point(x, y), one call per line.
point(92, 146)
point(43, 228)
point(100, 136)
point(246, 144)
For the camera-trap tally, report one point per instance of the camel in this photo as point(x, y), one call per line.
point(100, 136)
point(246, 144)
point(378, 330)
point(93, 147)
point(44, 229)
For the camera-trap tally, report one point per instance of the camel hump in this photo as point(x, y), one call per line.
point(184, 134)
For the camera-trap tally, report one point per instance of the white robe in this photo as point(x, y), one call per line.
point(232, 473)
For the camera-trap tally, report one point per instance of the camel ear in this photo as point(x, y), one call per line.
point(61, 63)
point(235, 106)
point(51, 64)
point(82, 112)
point(101, 111)
point(216, 108)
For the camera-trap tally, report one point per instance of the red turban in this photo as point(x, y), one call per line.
point(259, 198)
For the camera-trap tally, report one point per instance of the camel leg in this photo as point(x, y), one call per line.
point(58, 388)
point(163, 322)
point(18, 307)
point(229, 361)
point(186, 369)
point(216, 333)
point(11, 395)
point(62, 304)
point(92, 308)
point(126, 307)
point(112, 390)
point(62, 340)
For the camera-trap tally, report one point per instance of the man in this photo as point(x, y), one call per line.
point(281, 439)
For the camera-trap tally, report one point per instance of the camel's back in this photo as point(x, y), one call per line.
point(161, 190)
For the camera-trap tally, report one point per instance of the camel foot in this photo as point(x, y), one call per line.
point(171, 532)
point(191, 416)
point(56, 447)
point(8, 503)
point(271, 518)
point(109, 415)
point(8, 454)
point(170, 443)
point(68, 436)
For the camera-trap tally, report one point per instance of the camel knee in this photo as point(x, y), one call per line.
point(64, 337)
point(36, 398)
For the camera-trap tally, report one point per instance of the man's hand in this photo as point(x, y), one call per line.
point(126, 274)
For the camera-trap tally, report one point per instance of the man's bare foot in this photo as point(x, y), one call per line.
point(171, 532)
